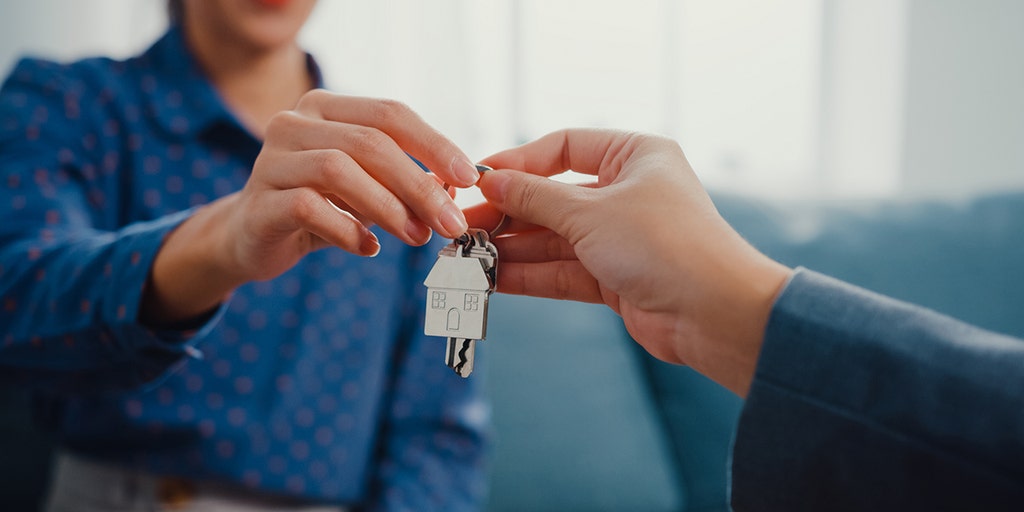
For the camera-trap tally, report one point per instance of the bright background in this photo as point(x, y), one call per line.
point(781, 98)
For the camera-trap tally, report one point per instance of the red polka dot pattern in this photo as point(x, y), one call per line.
point(317, 384)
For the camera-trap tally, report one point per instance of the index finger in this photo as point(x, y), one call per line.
point(417, 138)
point(582, 150)
point(485, 216)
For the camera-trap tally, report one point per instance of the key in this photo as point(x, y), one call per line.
point(459, 355)
point(458, 288)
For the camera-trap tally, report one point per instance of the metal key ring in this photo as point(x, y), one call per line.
point(503, 223)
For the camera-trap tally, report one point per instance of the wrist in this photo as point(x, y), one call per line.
point(725, 342)
point(766, 279)
point(191, 274)
point(220, 256)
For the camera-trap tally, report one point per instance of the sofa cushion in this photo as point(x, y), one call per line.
point(576, 429)
point(961, 258)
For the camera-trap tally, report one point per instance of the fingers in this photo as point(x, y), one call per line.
point(564, 280)
point(449, 190)
point(534, 247)
point(483, 216)
point(403, 125)
point(486, 217)
point(581, 150)
point(368, 170)
point(335, 174)
point(536, 200)
point(309, 211)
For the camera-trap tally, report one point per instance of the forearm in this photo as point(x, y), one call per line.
point(70, 309)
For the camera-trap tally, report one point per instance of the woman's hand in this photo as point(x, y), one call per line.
point(331, 167)
point(328, 169)
point(645, 239)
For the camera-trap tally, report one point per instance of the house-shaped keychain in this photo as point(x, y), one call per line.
point(457, 291)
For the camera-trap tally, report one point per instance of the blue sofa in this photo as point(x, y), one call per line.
point(585, 420)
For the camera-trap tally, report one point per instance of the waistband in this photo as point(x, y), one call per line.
point(83, 485)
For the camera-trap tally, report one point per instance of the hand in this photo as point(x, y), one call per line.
point(645, 239)
point(328, 168)
point(334, 165)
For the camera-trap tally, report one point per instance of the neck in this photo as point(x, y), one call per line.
point(256, 83)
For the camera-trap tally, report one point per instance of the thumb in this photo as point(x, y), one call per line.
point(531, 198)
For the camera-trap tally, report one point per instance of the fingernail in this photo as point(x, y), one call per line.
point(452, 220)
point(465, 171)
point(417, 230)
point(370, 245)
point(495, 186)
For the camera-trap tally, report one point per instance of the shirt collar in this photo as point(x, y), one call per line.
point(179, 95)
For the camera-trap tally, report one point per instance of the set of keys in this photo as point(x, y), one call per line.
point(458, 288)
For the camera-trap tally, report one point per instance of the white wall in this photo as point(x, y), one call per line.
point(965, 97)
point(839, 97)
point(862, 114)
point(70, 29)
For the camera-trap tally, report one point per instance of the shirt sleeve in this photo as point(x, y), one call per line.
point(70, 281)
point(437, 427)
point(861, 402)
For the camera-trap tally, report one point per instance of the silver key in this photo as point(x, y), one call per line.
point(458, 288)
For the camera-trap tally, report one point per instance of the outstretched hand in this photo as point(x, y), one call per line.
point(335, 164)
point(328, 169)
point(645, 239)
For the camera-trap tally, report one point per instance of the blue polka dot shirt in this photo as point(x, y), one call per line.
point(318, 384)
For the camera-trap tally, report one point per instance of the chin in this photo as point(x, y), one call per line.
point(269, 35)
point(264, 24)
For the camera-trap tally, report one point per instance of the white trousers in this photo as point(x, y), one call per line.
point(81, 485)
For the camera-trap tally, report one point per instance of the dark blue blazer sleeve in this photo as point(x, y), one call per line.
point(861, 402)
